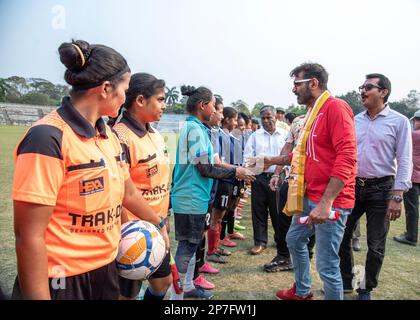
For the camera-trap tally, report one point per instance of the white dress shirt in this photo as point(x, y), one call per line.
point(384, 147)
point(262, 143)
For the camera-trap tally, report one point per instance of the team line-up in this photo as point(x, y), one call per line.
point(91, 199)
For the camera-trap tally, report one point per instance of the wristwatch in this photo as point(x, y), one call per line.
point(396, 198)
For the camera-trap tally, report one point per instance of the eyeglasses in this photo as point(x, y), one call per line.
point(369, 86)
point(297, 82)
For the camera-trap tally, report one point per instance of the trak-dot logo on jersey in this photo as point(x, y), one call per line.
point(91, 186)
point(150, 172)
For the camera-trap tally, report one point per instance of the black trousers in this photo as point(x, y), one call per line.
point(284, 222)
point(371, 198)
point(411, 204)
point(356, 233)
point(263, 202)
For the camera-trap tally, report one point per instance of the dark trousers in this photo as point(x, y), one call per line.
point(372, 198)
point(263, 202)
point(411, 204)
point(356, 233)
point(284, 222)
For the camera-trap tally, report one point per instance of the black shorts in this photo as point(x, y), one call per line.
point(98, 284)
point(208, 216)
point(238, 189)
point(131, 288)
point(223, 195)
point(189, 227)
point(238, 192)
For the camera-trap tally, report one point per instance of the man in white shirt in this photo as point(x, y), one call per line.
point(267, 141)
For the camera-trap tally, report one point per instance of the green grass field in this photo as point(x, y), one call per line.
point(243, 277)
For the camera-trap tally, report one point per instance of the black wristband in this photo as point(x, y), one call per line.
point(162, 223)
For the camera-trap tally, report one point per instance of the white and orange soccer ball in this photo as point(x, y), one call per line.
point(141, 250)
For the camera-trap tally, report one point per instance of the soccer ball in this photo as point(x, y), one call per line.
point(141, 250)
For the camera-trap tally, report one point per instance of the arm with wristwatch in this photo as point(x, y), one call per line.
point(280, 160)
point(275, 178)
point(394, 206)
point(404, 155)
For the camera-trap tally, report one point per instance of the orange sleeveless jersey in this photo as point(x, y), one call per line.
point(62, 161)
point(149, 163)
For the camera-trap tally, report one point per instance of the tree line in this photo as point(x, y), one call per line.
point(407, 106)
point(37, 91)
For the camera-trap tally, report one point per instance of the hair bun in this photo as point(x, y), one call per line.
point(70, 55)
point(187, 90)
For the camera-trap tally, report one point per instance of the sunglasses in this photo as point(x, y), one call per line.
point(297, 82)
point(369, 86)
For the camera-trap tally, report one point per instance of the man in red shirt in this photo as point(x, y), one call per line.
point(328, 147)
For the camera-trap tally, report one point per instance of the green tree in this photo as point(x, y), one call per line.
point(402, 107)
point(256, 110)
point(241, 106)
point(41, 85)
point(3, 90)
point(36, 98)
point(297, 109)
point(178, 108)
point(54, 92)
point(16, 87)
point(31, 91)
point(413, 100)
point(354, 101)
point(172, 96)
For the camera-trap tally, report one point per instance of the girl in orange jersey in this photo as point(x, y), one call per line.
point(149, 167)
point(70, 183)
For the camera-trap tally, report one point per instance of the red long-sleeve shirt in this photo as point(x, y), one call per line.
point(332, 152)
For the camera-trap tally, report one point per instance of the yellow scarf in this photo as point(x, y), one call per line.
point(296, 193)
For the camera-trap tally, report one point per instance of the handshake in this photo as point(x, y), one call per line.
point(245, 174)
point(258, 164)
